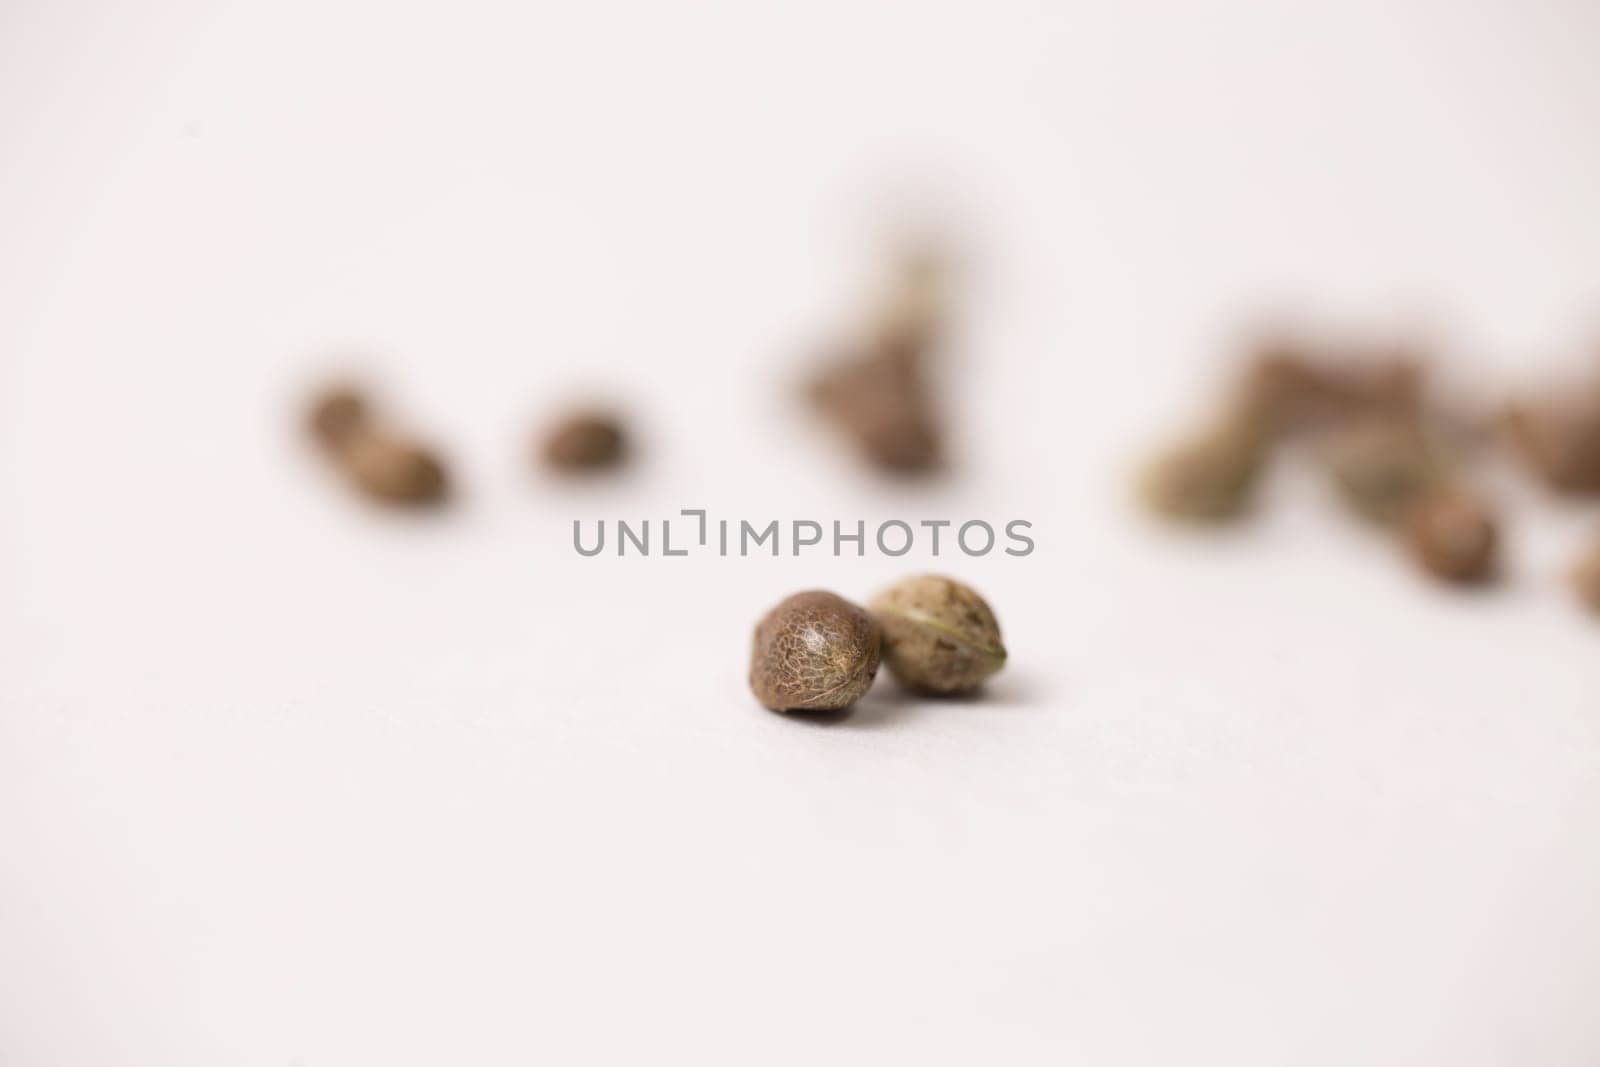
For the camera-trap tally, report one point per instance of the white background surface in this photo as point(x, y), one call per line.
point(285, 782)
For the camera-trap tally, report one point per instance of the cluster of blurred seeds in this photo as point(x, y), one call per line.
point(815, 652)
point(874, 389)
point(1398, 456)
point(395, 468)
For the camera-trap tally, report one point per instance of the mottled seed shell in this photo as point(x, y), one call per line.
point(814, 652)
point(939, 635)
point(394, 471)
point(1452, 534)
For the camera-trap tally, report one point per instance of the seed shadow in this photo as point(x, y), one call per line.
point(625, 476)
point(420, 512)
point(890, 704)
point(831, 717)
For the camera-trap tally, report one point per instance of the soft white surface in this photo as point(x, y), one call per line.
point(284, 782)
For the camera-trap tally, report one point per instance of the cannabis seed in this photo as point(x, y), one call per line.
point(814, 652)
point(338, 414)
point(878, 394)
point(881, 403)
point(1382, 466)
point(939, 635)
point(394, 470)
point(1302, 391)
point(1557, 437)
point(1586, 576)
point(1212, 476)
point(1452, 534)
point(585, 441)
point(381, 463)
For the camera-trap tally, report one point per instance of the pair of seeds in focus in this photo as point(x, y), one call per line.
point(392, 467)
point(818, 652)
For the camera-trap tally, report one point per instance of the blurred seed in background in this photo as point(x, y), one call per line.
point(875, 390)
point(375, 458)
point(585, 442)
point(1396, 452)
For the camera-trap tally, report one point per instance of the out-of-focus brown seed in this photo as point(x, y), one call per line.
point(879, 400)
point(1452, 534)
point(1211, 477)
point(393, 470)
point(383, 464)
point(337, 415)
point(585, 441)
point(1558, 438)
point(1382, 466)
point(1585, 576)
point(815, 651)
point(910, 318)
point(1303, 391)
point(877, 393)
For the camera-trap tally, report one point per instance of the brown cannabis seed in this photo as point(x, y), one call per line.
point(880, 401)
point(1452, 534)
point(1558, 438)
point(939, 635)
point(585, 441)
point(337, 415)
point(814, 652)
point(1213, 476)
point(910, 317)
point(1302, 392)
point(1382, 467)
point(877, 393)
point(393, 470)
point(384, 465)
point(1586, 577)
